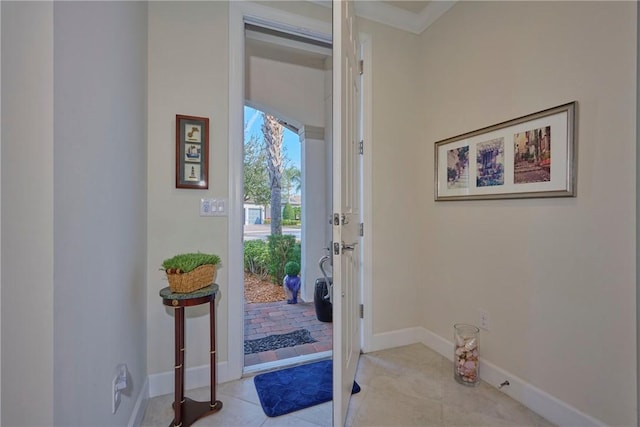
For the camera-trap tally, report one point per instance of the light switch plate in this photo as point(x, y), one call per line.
point(213, 207)
point(219, 207)
point(205, 207)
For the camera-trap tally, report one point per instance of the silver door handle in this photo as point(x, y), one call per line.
point(350, 247)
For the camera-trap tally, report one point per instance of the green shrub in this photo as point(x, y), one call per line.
point(287, 212)
point(256, 257)
point(296, 253)
point(189, 262)
point(292, 268)
point(282, 248)
point(290, 222)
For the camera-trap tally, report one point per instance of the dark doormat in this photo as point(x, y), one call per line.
point(273, 342)
point(292, 389)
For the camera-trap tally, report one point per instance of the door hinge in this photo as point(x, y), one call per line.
point(336, 219)
point(336, 248)
point(362, 311)
point(361, 67)
point(361, 147)
point(361, 231)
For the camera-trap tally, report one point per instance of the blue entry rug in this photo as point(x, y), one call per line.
point(292, 389)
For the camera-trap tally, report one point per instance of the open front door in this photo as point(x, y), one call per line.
point(346, 206)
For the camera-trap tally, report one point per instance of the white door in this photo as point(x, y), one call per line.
point(346, 207)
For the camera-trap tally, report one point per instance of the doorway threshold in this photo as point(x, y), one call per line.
point(286, 363)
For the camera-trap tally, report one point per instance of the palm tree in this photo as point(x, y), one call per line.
point(272, 132)
point(294, 179)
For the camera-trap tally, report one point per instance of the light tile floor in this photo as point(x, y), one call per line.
point(405, 386)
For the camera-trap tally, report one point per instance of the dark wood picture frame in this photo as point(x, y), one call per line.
point(192, 152)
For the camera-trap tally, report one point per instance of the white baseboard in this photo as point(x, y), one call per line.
point(394, 339)
point(539, 401)
point(135, 420)
point(196, 377)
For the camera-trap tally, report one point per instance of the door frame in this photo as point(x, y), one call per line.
point(367, 280)
point(239, 14)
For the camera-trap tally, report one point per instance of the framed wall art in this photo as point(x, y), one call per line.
point(531, 156)
point(192, 152)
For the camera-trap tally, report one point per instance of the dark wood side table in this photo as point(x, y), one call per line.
point(187, 411)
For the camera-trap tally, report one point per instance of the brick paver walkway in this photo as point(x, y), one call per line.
point(263, 319)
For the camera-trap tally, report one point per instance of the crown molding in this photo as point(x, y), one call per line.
point(384, 13)
point(432, 12)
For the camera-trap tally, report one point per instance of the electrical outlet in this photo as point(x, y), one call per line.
point(118, 384)
point(484, 319)
point(115, 395)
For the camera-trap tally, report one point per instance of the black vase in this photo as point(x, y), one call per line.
point(324, 308)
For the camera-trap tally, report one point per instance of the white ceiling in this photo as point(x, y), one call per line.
point(414, 6)
point(414, 16)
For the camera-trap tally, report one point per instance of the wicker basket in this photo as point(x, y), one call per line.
point(196, 279)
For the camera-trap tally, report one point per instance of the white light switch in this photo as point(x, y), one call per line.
point(220, 207)
point(213, 207)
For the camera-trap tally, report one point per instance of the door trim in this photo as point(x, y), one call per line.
point(239, 13)
point(367, 191)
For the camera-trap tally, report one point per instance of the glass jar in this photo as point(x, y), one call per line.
point(466, 364)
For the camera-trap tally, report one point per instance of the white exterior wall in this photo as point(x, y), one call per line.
point(292, 92)
point(315, 213)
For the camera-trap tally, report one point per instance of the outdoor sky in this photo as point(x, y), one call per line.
point(290, 140)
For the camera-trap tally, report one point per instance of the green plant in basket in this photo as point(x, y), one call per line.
point(184, 263)
point(190, 272)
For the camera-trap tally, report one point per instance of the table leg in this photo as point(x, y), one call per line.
point(188, 411)
point(179, 366)
point(215, 405)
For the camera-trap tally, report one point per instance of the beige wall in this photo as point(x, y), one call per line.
point(556, 294)
point(27, 233)
point(557, 276)
point(395, 181)
point(100, 240)
point(174, 223)
point(187, 74)
point(74, 210)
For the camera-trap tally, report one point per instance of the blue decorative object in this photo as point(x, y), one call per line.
point(292, 287)
point(292, 389)
point(291, 281)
